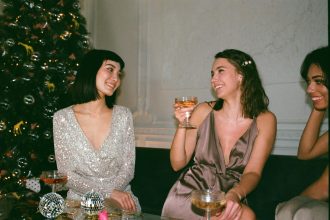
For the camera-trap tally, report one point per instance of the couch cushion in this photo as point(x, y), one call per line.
point(283, 178)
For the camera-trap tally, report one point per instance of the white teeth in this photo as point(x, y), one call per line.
point(316, 98)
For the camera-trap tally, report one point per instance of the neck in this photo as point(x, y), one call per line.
point(94, 107)
point(232, 111)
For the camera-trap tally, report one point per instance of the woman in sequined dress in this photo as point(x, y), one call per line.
point(233, 139)
point(94, 138)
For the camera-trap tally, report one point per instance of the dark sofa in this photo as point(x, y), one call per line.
point(283, 178)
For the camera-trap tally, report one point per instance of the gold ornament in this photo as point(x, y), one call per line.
point(18, 127)
point(28, 48)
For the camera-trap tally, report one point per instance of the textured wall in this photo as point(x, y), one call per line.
point(169, 45)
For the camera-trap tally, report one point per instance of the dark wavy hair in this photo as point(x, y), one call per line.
point(253, 99)
point(84, 88)
point(319, 57)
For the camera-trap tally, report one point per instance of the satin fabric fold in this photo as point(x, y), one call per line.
point(209, 170)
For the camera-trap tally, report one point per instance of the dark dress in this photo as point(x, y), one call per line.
point(209, 170)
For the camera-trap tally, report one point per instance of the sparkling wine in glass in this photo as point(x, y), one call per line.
point(53, 177)
point(186, 102)
point(208, 200)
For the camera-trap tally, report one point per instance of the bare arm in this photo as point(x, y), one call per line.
point(262, 148)
point(312, 145)
point(184, 141)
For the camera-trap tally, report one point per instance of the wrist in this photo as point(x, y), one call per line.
point(181, 126)
point(108, 195)
point(320, 112)
point(237, 194)
point(233, 193)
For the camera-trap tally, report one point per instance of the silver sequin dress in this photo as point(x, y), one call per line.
point(110, 167)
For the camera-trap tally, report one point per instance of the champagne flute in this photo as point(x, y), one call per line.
point(53, 177)
point(208, 200)
point(186, 102)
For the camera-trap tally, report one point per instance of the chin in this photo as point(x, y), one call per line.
point(320, 107)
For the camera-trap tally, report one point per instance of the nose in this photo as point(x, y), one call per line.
point(214, 77)
point(310, 88)
point(115, 76)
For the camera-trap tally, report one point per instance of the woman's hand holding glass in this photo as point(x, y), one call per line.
point(233, 210)
point(183, 106)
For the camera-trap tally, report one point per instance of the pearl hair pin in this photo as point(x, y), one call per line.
point(247, 62)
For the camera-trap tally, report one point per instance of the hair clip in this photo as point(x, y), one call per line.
point(246, 62)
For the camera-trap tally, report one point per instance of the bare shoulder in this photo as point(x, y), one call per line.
point(201, 111)
point(203, 108)
point(266, 119)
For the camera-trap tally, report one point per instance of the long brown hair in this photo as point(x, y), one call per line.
point(253, 99)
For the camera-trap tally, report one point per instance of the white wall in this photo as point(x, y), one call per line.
point(168, 46)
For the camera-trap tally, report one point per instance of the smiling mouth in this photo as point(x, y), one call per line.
point(110, 85)
point(218, 87)
point(316, 98)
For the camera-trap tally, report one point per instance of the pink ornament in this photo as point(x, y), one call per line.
point(103, 215)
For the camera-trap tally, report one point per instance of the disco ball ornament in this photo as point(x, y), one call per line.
point(92, 202)
point(51, 205)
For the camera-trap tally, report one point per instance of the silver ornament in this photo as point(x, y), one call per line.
point(51, 205)
point(29, 99)
point(92, 202)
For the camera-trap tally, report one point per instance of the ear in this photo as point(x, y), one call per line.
point(240, 78)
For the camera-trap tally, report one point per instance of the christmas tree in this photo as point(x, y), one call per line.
point(41, 43)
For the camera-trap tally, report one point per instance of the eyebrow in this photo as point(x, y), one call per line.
point(219, 67)
point(109, 64)
point(318, 76)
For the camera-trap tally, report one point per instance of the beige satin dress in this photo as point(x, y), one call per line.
point(209, 170)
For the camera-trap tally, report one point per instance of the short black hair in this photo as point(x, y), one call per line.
point(84, 88)
point(319, 57)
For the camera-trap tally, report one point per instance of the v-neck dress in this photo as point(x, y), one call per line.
point(209, 170)
point(103, 170)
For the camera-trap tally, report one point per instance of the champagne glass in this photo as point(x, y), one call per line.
point(53, 177)
point(186, 102)
point(208, 200)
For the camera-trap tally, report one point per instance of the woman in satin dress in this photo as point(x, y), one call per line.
point(232, 141)
point(94, 138)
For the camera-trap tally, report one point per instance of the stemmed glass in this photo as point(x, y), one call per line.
point(53, 177)
point(208, 200)
point(186, 102)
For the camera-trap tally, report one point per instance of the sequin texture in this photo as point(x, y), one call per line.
point(103, 170)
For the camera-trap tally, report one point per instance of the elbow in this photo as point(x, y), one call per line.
point(176, 166)
point(303, 156)
point(175, 169)
point(300, 157)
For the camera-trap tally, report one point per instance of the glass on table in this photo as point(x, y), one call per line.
point(186, 102)
point(208, 200)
